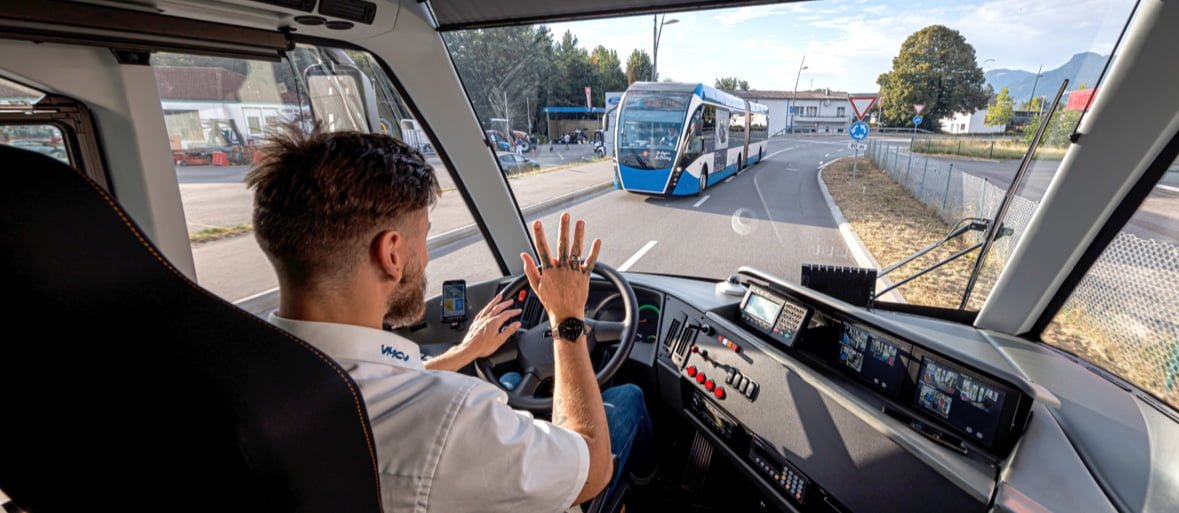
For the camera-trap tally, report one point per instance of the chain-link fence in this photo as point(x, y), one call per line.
point(1124, 315)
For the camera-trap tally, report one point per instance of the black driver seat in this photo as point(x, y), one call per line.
point(134, 389)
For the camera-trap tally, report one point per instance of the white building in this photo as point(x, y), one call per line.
point(823, 111)
point(971, 123)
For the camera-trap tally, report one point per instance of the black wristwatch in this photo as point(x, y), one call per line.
point(570, 329)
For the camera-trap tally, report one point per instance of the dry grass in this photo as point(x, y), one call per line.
point(983, 148)
point(212, 234)
point(894, 225)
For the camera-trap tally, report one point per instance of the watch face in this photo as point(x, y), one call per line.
point(571, 328)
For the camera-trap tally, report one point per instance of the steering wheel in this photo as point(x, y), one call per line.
point(533, 347)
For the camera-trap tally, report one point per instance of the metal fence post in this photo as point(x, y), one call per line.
point(982, 201)
point(923, 173)
point(907, 166)
point(991, 155)
point(896, 156)
point(946, 195)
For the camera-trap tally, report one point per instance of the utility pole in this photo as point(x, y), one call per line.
point(1034, 84)
point(656, 33)
point(794, 97)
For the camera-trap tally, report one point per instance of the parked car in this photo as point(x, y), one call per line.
point(56, 151)
point(510, 163)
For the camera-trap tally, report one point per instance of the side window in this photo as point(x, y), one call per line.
point(1124, 314)
point(709, 128)
point(218, 110)
point(695, 136)
point(722, 127)
point(18, 131)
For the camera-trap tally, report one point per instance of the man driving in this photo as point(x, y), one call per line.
point(343, 218)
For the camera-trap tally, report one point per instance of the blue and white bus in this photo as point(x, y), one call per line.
point(678, 139)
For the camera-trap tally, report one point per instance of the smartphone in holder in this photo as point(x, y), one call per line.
point(454, 301)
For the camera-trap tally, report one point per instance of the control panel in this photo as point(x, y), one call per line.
point(773, 314)
point(713, 376)
point(787, 477)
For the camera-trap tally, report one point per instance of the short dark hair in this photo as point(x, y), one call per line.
point(319, 197)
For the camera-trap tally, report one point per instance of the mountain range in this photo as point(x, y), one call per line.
point(1082, 68)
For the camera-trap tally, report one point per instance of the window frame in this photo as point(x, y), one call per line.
point(1113, 225)
point(459, 184)
point(78, 132)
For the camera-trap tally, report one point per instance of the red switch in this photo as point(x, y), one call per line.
point(695, 349)
point(691, 370)
point(700, 378)
point(709, 385)
point(719, 392)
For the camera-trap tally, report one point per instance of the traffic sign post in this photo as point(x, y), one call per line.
point(858, 132)
point(916, 121)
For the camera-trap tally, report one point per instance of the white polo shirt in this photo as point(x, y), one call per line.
point(447, 442)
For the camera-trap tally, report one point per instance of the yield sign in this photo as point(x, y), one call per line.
point(918, 107)
point(861, 105)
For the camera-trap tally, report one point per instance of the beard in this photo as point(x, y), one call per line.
point(408, 302)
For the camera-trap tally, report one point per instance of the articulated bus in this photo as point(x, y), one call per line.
point(678, 139)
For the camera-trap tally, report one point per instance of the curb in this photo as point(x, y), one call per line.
point(860, 252)
point(463, 232)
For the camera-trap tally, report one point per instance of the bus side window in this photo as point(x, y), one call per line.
point(709, 129)
point(695, 139)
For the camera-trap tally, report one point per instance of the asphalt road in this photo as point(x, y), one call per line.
point(772, 216)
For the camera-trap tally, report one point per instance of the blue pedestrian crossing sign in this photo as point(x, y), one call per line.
point(859, 131)
point(917, 120)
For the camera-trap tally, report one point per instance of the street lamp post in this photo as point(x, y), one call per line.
point(794, 97)
point(657, 32)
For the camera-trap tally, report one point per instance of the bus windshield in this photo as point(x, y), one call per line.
point(649, 127)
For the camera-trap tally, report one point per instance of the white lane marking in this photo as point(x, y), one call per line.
point(1168, 188)
point(823, 166)
point(559, 155)
point(792, 169)
point(635, 257)
point(705, 198)
point(825, 155)
point(729, 179)
point(766, 207)
point(767, 157)
point(820, 164)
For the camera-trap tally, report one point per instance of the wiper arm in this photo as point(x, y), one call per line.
point(963, 226)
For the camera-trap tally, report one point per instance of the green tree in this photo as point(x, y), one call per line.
point(1034, 105)
point(731, 84)
point(572, 72)
point(1060, 127)
point(638, 67)
point(1000, 111)
point(608, 74)
point(935, 67)
point(505, 70)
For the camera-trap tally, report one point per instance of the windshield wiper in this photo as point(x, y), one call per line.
point(962, 227)
point(992, 234)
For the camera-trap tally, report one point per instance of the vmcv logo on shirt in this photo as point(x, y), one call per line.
point(394, 353)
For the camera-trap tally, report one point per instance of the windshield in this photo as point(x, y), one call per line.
point(649, 127)
point(857, 138)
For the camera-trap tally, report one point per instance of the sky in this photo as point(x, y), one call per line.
point(848, 43)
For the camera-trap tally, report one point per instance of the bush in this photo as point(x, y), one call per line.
point(1060, 127)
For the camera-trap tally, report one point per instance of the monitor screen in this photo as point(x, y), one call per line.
point(876, 359)
point(762, 308)
point(961, 399)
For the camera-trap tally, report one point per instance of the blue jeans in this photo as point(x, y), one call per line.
point(630, 430)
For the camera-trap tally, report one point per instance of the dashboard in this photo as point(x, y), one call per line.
point(802, 392)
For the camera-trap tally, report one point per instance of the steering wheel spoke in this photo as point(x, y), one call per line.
point(528, 385)
point(508, 352)
point(606, 331)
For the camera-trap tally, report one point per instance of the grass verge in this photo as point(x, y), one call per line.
point(220, 232)
point(893, 225)
point(1002, 149)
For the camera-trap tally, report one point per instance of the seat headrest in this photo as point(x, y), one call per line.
point(138, 389)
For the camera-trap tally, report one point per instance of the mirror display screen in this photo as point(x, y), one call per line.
point(875, 359)
point(965, 401)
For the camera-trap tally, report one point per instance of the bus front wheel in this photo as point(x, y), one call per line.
point(703, 180)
